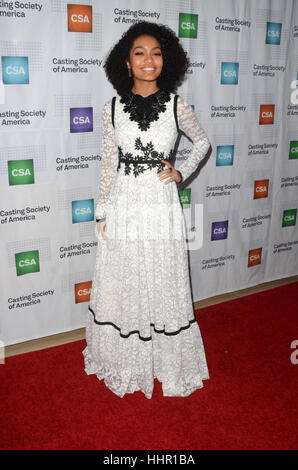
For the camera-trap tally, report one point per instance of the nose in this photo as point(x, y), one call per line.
point(148, 58)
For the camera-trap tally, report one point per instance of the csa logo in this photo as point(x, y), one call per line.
point(293, 152)
point(261, 189)
point(185, 196)
point(27, 262)
point(82, 211)
point(82, 292)
point(289, 218)
point(229, 73)
point(254, 257)
point(15, 70)
point(188, 25)
point(20, 172)
point(219, 230)
point(273, 33)
point(224, 155)
point(266, 113)
point(79, 18)
point(81, 119)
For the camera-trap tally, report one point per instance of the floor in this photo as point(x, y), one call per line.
point(79, 334)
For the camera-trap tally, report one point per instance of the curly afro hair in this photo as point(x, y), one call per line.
point(175, 59)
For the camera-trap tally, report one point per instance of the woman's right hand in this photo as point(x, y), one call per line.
point(101, 228)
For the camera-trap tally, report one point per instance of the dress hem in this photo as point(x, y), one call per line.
point(106, 375)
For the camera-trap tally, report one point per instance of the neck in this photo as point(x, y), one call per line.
point(144, 88)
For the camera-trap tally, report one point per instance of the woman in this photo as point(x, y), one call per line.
point(141, 322)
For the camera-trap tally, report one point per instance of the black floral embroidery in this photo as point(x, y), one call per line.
point(138, 164)
point(145, 110)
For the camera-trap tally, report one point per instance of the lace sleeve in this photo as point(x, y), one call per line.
point(189, 124)
point(109, 160)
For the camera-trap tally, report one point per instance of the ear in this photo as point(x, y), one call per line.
point(127, 63)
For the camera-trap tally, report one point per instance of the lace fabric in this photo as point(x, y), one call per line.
point(145, 110)
point(187, 123)
point(109, 160)
point(141, 322)
point(148, 159)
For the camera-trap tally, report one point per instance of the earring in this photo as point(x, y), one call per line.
point(129, 72)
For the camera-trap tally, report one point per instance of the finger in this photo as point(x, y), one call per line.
point(166, 163)
point(164, 177)
point(165, 173)
point(162, 172)
point(169, 181)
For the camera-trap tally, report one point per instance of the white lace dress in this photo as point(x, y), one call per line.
point(140, 321)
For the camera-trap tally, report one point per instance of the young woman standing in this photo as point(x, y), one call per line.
point(141, 322)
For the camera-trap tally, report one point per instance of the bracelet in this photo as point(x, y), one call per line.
point(99, 220)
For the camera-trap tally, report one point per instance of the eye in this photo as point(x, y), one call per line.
point(139, 53)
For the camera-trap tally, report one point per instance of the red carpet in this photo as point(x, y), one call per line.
point(250, 402)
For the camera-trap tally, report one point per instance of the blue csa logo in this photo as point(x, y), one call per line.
point(224, 155)
point(229, 73)
point(82, 211)
point(273, 33)
point(219, 230)
point(15, 70)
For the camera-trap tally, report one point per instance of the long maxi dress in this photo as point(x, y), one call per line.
point(140, 320)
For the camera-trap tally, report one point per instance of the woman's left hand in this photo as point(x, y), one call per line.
point(169, 173)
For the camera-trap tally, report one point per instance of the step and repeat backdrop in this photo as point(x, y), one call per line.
point(240, 209)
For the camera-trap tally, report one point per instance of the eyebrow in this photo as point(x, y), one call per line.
point(155, 47)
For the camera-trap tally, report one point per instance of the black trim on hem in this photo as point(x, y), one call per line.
point(137, 331)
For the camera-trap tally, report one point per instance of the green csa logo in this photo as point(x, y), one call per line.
point(27, 262)
point(293, 149)
point(184, 195)
point(20, 172)
point(289, 217)
point(188, 25)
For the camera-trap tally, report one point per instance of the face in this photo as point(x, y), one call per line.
point(145, 58)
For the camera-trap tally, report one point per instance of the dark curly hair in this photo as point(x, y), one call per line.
point(175, 59)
